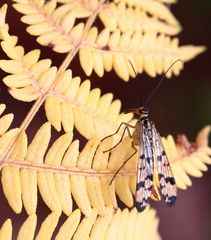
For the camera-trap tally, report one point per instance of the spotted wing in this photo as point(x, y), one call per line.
point(167, 182)
point(145, 170)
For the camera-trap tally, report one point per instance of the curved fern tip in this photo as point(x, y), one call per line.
point(3, 11)
point(203, 136)
point(202, 49)
point(189, 52)
point(4, 8)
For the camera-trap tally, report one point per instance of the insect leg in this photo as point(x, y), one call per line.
point(133, 146)
point(127, 125)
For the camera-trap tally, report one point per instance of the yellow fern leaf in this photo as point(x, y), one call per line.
point(54, 25)
point(68, 228)
point(113, 230)
point(12, 187)
point(79, 192)
point(139, 31)
point(5, 123)
point(67, 103)
point(29, 77)
point(2, 108)
point(186, 159)
point(154, 8)
point(34, 154)
point(85, 227)
point(10, 176)
point(63, 94)
point(27, 229)
point(114, 225)
point(55, 189)
point(136, 18)
point(48, 190)
point(73, 104)
point(6, 230)
point(48, 226)
point(86, 176)
point(54, 186)
point(150, 52)
point(59, 172)
point(56, 28)
point(3, 11)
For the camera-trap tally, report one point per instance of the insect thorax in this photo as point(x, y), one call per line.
point(144, 120)
point(143, 111)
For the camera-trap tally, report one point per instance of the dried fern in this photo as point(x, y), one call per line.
point(123, 38)
point(59, 171)
point(67, 102)
point(62, 172)
point(136, 19)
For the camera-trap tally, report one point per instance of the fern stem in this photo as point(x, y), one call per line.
point(23, 126)
point(65, 170)
point(88, 25)
point(61, 69)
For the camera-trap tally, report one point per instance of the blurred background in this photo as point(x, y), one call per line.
point(181, 105)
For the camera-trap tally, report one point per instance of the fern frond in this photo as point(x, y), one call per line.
point(6, 136)
point(9, 176)
point(55, 25)
point(143, 46)
point(189, 158)
point(48, 20)
point(61, 172)
point(5, 121)
point(3, 11)
point(114, 225)
point(149, 52)
point(6, 230)
point(29, 77)
point(71, 103)
point(186, 159)
point(154, 8)
point(53, 176)
point(27, 229)
point(136, 19)
point(78, 183)
point(67, 102)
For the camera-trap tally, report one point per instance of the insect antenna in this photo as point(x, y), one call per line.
point(161, 80)
point(140, 96)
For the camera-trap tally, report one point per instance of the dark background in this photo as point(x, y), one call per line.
point(182, 105)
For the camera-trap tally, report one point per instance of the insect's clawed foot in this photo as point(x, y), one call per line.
point(106, 151)
point(111, 181)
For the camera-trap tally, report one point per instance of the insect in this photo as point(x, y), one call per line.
point(151, 154)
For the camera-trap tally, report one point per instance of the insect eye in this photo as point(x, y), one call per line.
point(140, 111)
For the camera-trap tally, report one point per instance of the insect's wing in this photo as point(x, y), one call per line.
point(145, 171)
point(167, 182)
